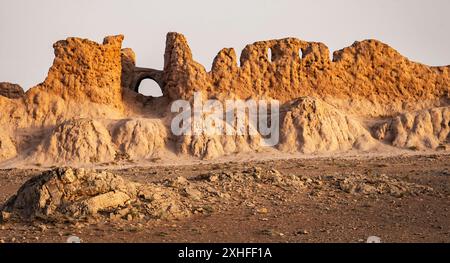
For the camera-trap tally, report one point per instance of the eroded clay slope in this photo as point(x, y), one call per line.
point(76, 142)
point(426, 129)
point(313, 126)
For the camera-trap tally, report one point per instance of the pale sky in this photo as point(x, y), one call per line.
point(419, 29)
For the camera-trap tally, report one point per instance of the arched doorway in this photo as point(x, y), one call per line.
point(148, 82)
point(148, 87)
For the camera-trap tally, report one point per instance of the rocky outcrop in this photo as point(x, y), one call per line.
point(10, 90)
point(66, 194)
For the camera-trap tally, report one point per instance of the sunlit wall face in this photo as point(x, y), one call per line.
point(417, 28)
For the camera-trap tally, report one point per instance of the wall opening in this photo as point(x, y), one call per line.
point(149, 87)
point(269, 54)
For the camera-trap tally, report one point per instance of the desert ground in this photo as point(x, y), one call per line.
point(362, 146)
point(402, 198)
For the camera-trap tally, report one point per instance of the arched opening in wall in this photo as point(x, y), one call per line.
point(149, 87)
point(300, 53)
point(269, 54)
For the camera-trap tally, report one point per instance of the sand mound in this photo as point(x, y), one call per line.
point(312, 126)
point(7, 146)
point(62, 194)
point(427, 129)
point(140, 138)
point(78, 141)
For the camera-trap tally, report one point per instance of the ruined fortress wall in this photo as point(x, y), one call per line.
point(367, 71)
point(84, 110)
point(86, 71)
